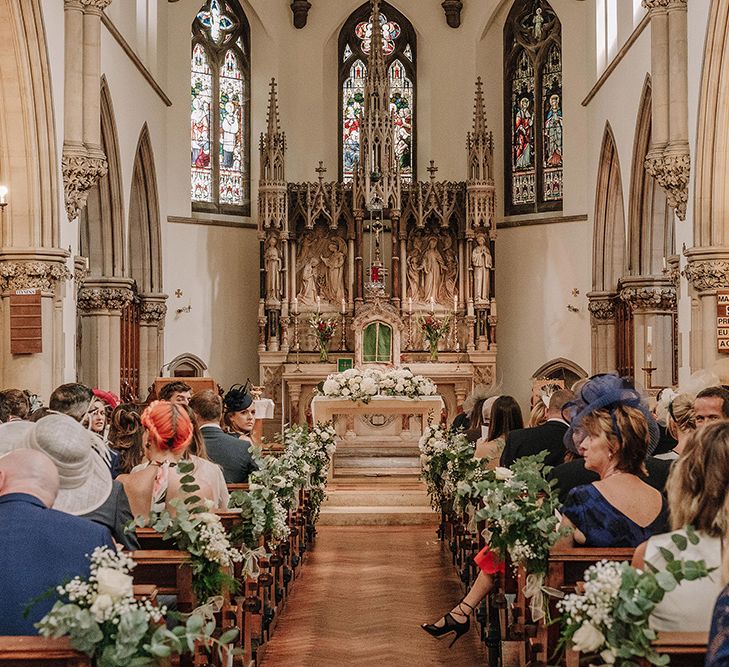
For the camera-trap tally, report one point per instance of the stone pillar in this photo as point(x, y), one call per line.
point(358, 261)
point(152, 312)
point(100, 303)
point(707, 271)
point(46, 271)
point(653, 302)
point(395, 262)
point(603, 324)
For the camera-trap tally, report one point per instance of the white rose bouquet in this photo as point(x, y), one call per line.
point(102, 618)
point(362, 386)
point(611, 617)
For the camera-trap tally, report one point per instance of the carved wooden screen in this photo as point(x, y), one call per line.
point(129, 347)
point(399, 43)
point(533, 131)
point(625, 361)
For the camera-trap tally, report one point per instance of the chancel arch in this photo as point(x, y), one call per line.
point(106, 290)
point(611, 324)
point(143, 319)
point(649, 289)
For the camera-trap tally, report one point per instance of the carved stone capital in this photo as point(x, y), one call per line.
point(300, 10)
point(674, 179)
point(80, 174)
point(708, 275)
point(152, 307)
point(34, 274)
point(649, 297)
point(99, 5)
point(452, 9)
point(80, 269)
point(654, 4)
point(602, 305)
point(95, 297)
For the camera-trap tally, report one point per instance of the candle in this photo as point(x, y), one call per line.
point(410, 305)
point(318, 305)
point(493, 307)
point(664, 263)
point(455, 304)
point(649, 345)
point(649, 335)
point(432, 304)
point(296, 306)
point(344, 306)
point(3, 195)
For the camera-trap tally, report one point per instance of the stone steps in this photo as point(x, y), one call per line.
point(396, 515)
point(367, 473)
point(377, 497)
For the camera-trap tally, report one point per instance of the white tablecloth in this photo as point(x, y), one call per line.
point(264, 408)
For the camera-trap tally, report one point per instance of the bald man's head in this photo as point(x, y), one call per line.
point(29, 471)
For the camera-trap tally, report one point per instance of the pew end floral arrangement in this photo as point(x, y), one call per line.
point(519, 509)
point(197, 530)
point(102, 618)
point(357, 385)
point(611, 618)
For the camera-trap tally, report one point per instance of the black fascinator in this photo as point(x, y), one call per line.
point(238, 398)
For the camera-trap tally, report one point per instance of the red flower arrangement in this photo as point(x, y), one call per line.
point(324, 328)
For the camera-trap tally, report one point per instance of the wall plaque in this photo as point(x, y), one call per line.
point(722, 321)
point(26, 322)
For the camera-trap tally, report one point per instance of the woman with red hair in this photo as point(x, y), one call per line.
point(168, 434)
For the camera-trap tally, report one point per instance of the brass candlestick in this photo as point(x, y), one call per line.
point(648, 370)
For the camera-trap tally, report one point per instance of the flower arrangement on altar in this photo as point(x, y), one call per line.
point(324, 329)
point(611, 617)
point(102, 618)
point(358, 385)
point(434, 330)
point(195, 529)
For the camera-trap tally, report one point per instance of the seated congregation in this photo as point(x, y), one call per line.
point(624, 479)
point(85, 480)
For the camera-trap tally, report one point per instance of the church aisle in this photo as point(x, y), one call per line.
point(362, 597)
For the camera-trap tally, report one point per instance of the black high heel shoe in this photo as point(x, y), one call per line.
point(450, 624)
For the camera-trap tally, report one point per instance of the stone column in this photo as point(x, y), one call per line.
point(100, 303)
point(152, 312)
point(395, 261)
point(603, 324)
point(653, 302)
point(707, 271)
point(46, 271)
point(358, 261)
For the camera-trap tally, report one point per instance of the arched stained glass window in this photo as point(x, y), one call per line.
point(399, 47)
point(533, 108)
point(219, 117)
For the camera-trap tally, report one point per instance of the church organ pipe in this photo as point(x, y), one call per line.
point(73, 74)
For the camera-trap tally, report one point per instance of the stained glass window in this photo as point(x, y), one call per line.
point(398, 45)
point(533, 108)
point(220, 80)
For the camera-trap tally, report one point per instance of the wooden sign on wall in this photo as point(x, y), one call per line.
point(722, 321)
point(26, 322)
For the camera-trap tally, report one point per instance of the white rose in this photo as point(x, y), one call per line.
point(346, 392)
point(369, 386)
point(608, 655)
point(102, 604)
point(113, 583)
point(502, 474)
point(208, 517)
point(330, 387)
point(588, 638)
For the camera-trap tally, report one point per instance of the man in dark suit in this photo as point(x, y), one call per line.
point(547, 437)
point(40, 548)
point(232, 454)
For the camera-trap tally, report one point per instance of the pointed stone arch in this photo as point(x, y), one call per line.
point(106, 292)
point(145, 269)
point(647, 289)
point(609, 251)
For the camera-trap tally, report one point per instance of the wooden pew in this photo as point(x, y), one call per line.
point(40, 652)
point(686, 649)
point(169, 572)
point(566, 567)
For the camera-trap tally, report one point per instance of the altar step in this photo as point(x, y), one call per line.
point(377, 505)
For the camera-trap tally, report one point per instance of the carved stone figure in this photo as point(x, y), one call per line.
point(433, 267)
point(273, 270)
point(451, 270)
point(334, 264)
point(482, 263)
point(309, 292)
point(414, 274)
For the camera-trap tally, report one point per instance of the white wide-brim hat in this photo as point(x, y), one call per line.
point(12, 435)
point(85, 480)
